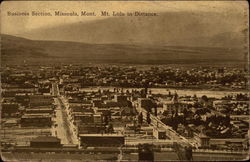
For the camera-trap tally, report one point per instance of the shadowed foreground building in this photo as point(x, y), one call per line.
point(10, 110)
point(36, 120)
point(145, 153)
point(46, 141)
point(101, 140)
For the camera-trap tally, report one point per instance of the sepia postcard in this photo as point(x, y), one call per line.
point(124, 81)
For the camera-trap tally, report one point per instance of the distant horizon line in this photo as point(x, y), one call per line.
point(119, 43)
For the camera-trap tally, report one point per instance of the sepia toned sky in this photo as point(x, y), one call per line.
point(19, 24)
point(178, 23)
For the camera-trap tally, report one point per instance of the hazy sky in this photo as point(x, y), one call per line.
point(19, 24)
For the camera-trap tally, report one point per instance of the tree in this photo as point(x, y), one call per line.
point(189, 153)
point(148, 118)
point(175, 124)
point(136, 126)
point(145, 152)
point(110, 128)
point(204, 98)
point(106, 121)
point(185, 112)
point(140, 118)
point(155, 110)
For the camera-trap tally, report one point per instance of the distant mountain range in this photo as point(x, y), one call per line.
point(17, 48)
point(184, 28)
point(171, 37)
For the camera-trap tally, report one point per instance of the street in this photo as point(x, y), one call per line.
point(62, 126)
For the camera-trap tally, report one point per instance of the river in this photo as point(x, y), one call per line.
point(181, 92)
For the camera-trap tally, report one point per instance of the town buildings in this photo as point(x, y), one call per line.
point(122, 106)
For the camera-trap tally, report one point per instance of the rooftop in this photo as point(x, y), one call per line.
point(38, 115)
point(100, 135)
point(46, 139)
point(31, 109)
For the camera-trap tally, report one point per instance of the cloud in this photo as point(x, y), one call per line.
point(18, 24)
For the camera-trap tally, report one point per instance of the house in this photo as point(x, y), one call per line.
point(159, 133)
point(204, 140)
point(98, 118)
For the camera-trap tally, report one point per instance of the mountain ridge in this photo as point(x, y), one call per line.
point(21, 48)
point(169, 28)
